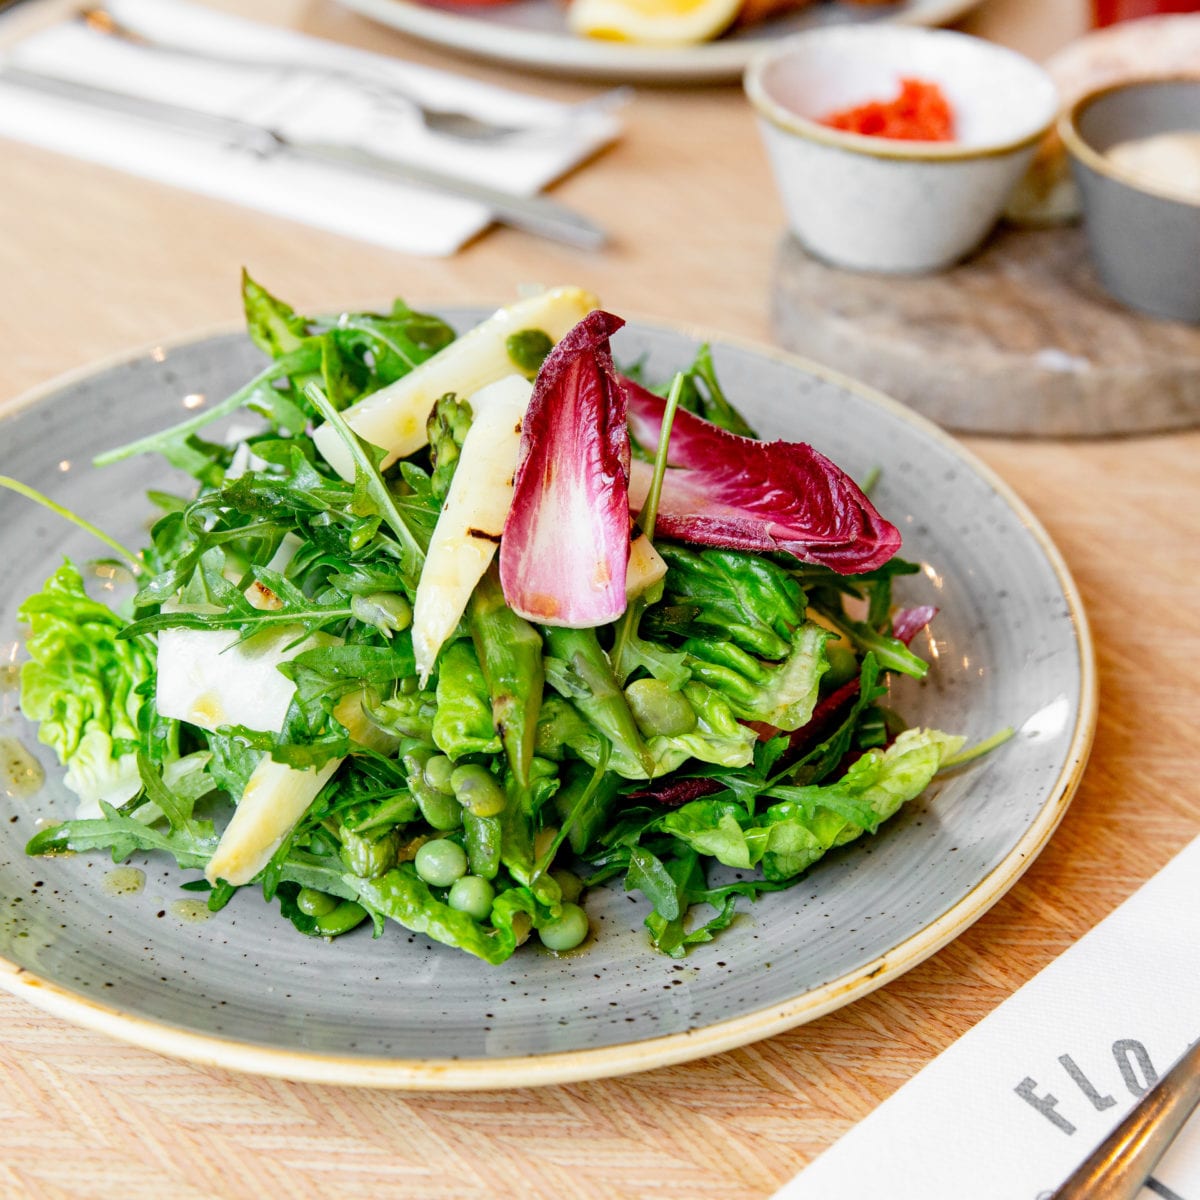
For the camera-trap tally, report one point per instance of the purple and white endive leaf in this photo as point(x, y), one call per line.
point(565, 549)
point(908, 622)
point(724, 490)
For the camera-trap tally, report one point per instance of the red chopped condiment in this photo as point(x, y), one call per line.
point(920, 113)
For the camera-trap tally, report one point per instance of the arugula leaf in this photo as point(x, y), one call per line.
point(371, 494)
point(704, 396)
point(124, 835)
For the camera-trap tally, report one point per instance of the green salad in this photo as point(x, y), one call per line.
point(452, 629)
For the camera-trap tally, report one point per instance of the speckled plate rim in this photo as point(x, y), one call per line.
point(559, 52)
point(600, 1063)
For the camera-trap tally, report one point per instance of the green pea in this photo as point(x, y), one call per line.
point(476, 788)
point(442, 812)
point(527, 348)
point(569, 884)
point(389, 612)
point(566, 931)
point(438, 771)
point(315, 904)
point(472, 895)
point(341, 920)
point(441, 862)
point(658, 709)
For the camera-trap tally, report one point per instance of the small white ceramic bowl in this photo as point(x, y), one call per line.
point(879, 204)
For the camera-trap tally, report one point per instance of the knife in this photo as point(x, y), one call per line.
point(533, 214)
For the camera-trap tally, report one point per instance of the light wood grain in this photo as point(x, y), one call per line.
point(92, 263)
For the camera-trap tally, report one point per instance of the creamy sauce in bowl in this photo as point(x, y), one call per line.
point(1169, 162)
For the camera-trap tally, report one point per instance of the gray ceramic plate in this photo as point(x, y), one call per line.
point(245, 991)
point(534, 34)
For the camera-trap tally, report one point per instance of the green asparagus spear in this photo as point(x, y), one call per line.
point(510, 653)
point(580, 670)
point(447, 427)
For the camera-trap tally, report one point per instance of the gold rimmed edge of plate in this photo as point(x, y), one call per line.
point(628, 1058)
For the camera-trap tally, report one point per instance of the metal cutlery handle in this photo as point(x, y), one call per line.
point(534, 214)
point(187, 120)
point(440, 119)
point(1119, 1167)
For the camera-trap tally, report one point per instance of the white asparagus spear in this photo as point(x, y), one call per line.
point(394, 417)
point(472, 518)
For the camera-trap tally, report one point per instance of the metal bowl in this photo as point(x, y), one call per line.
point(1143, 236)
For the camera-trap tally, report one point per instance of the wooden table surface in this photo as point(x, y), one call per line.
point(93, 262)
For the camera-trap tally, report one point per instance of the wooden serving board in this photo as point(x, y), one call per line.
point(1019, 340)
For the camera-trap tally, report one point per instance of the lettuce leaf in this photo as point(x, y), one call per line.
point(779, 694)
point(86, 686)
point(406, 899)
point(463, 721)
point(806, 822)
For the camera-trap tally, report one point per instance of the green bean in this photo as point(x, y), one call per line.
point(389, 612)
point(315, 904)
point(476, 788)
point(660, 710)
point(442, 812)
point(482, 837)
point(341, 920)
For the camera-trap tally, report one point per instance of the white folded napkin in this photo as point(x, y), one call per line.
point(298, 105)
point(1017, 1103)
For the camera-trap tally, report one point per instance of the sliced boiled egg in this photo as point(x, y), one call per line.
point(652, 22)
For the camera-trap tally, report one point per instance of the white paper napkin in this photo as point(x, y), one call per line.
point(1010, 1109)
point(299, 105)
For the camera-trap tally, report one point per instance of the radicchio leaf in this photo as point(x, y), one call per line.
point(724, 490)
point(908, 622)
point(675, 792)
point(565, 548)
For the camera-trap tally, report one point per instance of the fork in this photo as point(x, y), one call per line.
point(1120, 1166)
point(449, 122)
